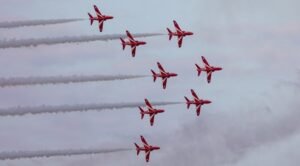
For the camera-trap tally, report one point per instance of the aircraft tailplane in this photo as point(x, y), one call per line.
point(198, 69)
point(142, 113)
point(91, 18)
point(137, 149)
point(170, 33)
point(188, 102)
point(154, 75)
point(123, 43)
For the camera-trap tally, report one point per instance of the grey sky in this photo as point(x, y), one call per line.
point(252, 120)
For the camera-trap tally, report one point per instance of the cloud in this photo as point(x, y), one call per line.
point(278, 153)
point(225, 138)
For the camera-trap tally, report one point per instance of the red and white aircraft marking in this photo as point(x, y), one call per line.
point(179, 33)
point(163, 74)
point(99, 17)
point(132, 43)
point(208, 69)
point(197, 102)
point(151, 112)
point(146, 147)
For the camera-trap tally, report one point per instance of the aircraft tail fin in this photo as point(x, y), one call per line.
point(142, 113)
point(123, 43)
point(91, 18)
point(188, 102)
point(198, 69)
point(137, 149)
point(153, 75)
point(170, 33)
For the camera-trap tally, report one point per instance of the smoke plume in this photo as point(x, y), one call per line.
point(17, 24)
point(13, 43)
point(19, 111)
point(22, 81)
point(37, 154)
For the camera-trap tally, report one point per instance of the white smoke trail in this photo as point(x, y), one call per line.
point(71, 152)
point(19, 111)
point(13, 43)
point(23, 81)
point(17, 24)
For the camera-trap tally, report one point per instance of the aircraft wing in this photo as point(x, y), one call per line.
point(178, 29)
point(194, 94)
point(152, 119)
point(180, 39)
point(148, 156)
point(205, 61)
point(198, 109)
point(148, 103)
point(144, 141)
point(97, 10)
point(209, 76)
point(165, 80)
point(101, 25)
point(133, 50)
point(130, 36)
point(162, 70)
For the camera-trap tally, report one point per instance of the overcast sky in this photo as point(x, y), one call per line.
point(254, 115)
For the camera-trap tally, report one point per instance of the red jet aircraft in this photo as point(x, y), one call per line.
point(179, 33)
point(197, 102)
point(147, 148)
point(163, 74)
point(151, 112)
point(99, 17)
point(208, 69)
point(132, 42)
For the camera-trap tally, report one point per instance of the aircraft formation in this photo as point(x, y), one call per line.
point(163, 74)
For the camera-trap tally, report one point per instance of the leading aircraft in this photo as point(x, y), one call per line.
point(207, 68)
point(151, 111)
point(163, 74)
point(179, 33)
point(146, 147)
point(132, 43)
point(99, 17)
point(197, 102)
